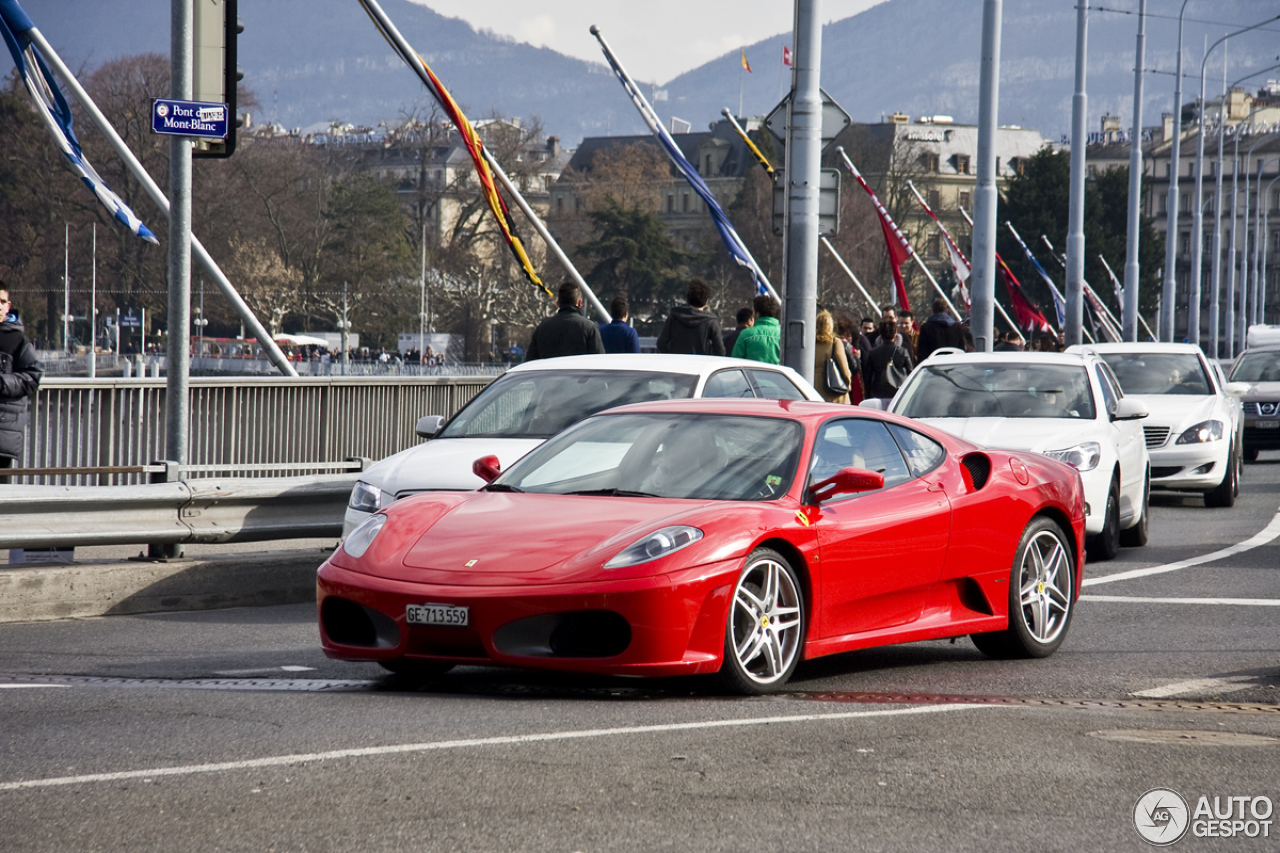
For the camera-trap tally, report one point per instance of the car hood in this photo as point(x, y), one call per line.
point(1263, 391)
point(1178, 410)
point(1034, 434)
point(443, 464)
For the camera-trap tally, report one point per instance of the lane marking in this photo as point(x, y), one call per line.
point(1264, 536)
point(262, 670)
point(430, 746)
point(16, 686)
point(1138, 599)
point(1224, 684)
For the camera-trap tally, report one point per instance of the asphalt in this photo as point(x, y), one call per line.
point(114, 580)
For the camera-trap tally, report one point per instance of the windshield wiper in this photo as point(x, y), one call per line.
point(623, 493)
point(500, 487)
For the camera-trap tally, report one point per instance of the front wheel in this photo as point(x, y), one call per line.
point(1224, 494)
point(1041, 589)
point(1106, 544)
point(1251, 454)
point(765, 629)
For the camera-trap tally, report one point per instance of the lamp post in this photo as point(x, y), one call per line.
point(1266, 215)
point(1258, 298)
point(1129, 310)
point(1244, 252)
point(1168, 304)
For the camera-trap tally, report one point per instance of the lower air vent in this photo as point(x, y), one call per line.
point(978, 467)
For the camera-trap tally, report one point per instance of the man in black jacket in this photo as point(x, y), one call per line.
point(940, 330)
point(20, 374)
point(568, 331)
point(691, 328)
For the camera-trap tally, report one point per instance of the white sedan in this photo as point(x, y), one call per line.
point(1067, 406)
point(535, 400)
point(1195, 432)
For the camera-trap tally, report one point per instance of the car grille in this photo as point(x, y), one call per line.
point(1156, 436)
point(1264, 409)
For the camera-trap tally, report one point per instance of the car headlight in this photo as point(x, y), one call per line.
point(1202, 432)
point(1082, 457)
point(657, 544)
point(362, 537)
point(365, 497)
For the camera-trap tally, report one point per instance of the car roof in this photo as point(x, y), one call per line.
point(1137, 346)
point(1016, 357)
point(694, 365)
point(804, 410)
point(1267, 348)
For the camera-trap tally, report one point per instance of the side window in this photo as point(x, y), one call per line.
point(728, 383)
point(923, 453)
point(857, 443)
point(1109, 397)
point(774, 385)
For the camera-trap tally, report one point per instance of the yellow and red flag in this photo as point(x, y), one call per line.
point(745, 64)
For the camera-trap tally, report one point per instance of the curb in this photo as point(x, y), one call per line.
point(121, 587)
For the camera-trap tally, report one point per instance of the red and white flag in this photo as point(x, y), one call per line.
point(899, 248)
point(786, 55)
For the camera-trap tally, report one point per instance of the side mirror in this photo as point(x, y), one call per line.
point(874, 403)
point(1236, 389)
point(846, 481)
point(487, 468)
point(429, 425)
point(1129, 409)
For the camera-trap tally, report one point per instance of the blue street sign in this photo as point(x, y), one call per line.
point(202, 119)
point(129, 320)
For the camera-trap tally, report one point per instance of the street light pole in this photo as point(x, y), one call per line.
point(1129, 314)
point(1168, 301)
point(984, 196)
point(1074, 331)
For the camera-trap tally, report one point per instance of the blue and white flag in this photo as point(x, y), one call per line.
point(1059, 304)
point(737, 249)
point(52, 106)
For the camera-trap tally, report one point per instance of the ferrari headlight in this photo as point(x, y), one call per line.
point(362, 537)
point(365, 497)
point(1082, 457)
point(1202, 432)
point(657, 544)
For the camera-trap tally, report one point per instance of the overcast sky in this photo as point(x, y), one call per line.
point(656, 40)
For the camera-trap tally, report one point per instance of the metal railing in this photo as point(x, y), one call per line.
point(258, 427)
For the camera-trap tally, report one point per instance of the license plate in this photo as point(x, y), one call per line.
point(437, 614)
point(1267, 424)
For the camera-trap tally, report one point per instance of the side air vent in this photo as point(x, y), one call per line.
point(978, 468)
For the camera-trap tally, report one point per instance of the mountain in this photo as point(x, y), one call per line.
point(310, 61)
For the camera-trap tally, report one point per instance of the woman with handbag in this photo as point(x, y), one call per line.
point(831, 374)
point(887, 365)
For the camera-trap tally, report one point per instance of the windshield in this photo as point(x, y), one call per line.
point(1159, 373)
point(705, 457)
point(998, 390)
point(1257, 367)
point(541, 403)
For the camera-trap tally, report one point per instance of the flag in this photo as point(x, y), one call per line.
point(899, 249)
point(56, 114)
point(1059, 304)
point(745, 64)
point(737, 249)
point(1025, 312)
point(786, 55)
point(475, 147)
point(959, 263)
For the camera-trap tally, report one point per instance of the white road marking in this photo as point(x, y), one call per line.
point(1138, 599)
point(400, 749)
point(15, 686)
point(1266, 535)
point(262, 670)
point(1215, 686)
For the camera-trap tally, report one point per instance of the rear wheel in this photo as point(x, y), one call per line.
point(1224, 494)
point(1251, 454)
point(765, 629)
point(1106, 544)
point(1041, 586)
point(1136, 536)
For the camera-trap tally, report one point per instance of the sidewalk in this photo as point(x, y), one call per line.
point(103, 581)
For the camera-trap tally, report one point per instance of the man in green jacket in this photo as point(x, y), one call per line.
point(763, 341)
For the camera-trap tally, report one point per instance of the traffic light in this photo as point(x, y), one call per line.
point(214, 70)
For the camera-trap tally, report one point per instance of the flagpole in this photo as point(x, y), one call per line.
point(162, 202)
point(1063, 263)
point(875, 306)
point(995, 302)
point(760, 158)
point(1110, 328)
point(66, 287)
point(93, 307)
point(1115, 281)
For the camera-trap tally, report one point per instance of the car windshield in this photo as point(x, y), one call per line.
point(1257, 367)
point(538, 404)
point(998, 390)
point(1159, 373)
point(665, 455)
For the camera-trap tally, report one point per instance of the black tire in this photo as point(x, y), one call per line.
point(1224, 494)
point(1251, 454)
point(1041, 596)
point(1105, 545)
point(415, 670)
point(1136, 536)
point(764, 634)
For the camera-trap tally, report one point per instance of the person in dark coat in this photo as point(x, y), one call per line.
point(20, 374)
point(887, 364)
point(618, 336)
point(746, 319)
point(691, 328)
point(568, 331)
point(940, 330)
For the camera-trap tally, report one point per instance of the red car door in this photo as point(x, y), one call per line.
point(880, 551)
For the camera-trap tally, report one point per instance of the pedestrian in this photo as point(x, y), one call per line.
point(20, 373)
point(848, 334)
point(618, 336)
point(828, 347)
point(763, 341)
point(887, 312)
point(908, 333)
point(1012, 342)
point(940, 330)
point(566, 332)
point(888, 364)
point(691, 328)
point(746, 318)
